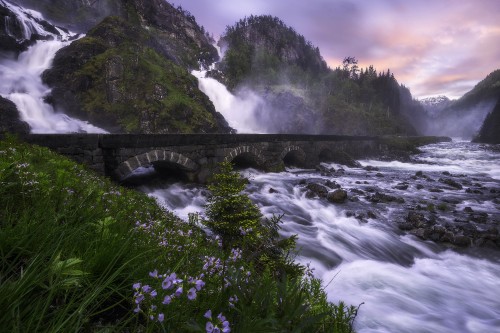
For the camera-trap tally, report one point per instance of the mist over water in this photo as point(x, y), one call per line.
point(459, 123)
point(20, 79)
point(405, 283)
point(241, 111)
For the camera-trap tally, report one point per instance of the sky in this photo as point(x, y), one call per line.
point(434, 47)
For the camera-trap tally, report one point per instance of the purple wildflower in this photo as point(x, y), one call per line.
point(154, 273)
point(178, 292)
point(139, 298)
point(199, 284)
point(208, 314)
point(221, 317)
point(153, 293)
point(191, 294)
point(146, 288)
point(167, 300)
point(166, 284)
point(209, 327)
point(161, 317)
point(136, 286)
point(225, 327)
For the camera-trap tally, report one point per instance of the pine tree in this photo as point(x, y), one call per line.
point(230, 213)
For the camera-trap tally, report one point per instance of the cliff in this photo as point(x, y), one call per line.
point(116, 78)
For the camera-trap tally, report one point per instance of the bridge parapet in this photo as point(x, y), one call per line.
point(118, 155)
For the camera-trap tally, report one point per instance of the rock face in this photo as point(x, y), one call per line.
point(118, 79)
point(9, 118)
point(173, 32)
point(490, 130)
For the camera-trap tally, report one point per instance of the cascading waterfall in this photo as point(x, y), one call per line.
point(241, 111)
point(406, 284)
point(20, 80)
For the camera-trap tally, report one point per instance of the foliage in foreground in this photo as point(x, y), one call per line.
point(78, 253)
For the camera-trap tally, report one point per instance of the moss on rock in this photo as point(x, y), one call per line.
point(115, 79)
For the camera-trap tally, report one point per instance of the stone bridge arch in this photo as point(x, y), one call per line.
point(293, 155)
point(182, 162)
point(246, 156)
point(326, 154)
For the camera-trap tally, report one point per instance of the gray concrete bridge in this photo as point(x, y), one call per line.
point(197, 155)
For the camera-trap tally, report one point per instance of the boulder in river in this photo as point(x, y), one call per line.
point(317, 189)
point(451, 182)
point(337, 196)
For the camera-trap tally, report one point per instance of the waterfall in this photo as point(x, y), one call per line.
point(241, 111)
point(20, 79)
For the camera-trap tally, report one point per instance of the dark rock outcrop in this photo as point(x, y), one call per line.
point(9, 118)
point(490, 130)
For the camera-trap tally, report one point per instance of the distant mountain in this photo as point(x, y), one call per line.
point(464, 117)
point(434, 105)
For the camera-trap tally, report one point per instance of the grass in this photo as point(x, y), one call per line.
point(79, 253)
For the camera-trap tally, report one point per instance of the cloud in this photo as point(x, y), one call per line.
point(424, 42)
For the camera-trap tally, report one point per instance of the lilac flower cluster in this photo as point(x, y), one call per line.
point(232, 300)
point(221, 325)
point(213, 265)
point(172, 287)
point(235, 254)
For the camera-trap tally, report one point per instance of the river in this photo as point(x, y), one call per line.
point(406, 283)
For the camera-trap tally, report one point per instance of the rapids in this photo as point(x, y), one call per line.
point(406, 284)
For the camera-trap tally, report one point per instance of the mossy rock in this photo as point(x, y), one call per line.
point(115, 80)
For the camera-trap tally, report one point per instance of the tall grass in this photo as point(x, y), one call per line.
point(78, 253)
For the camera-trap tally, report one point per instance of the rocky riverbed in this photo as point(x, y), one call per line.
point(453, 209)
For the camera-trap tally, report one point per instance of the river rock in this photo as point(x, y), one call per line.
point(317, 189)
point(384, 198)
point(10, 120)
point(370, 168)
point(332, 184)
point(451, 182)
point(462, 241)
point(337, 196)
point(416, 220)
point(402, 186)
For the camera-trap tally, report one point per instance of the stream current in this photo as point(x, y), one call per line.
point(406, 283)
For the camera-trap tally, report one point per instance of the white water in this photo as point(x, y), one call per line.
point(406, 284)
point(20, 79)
point(240, 111)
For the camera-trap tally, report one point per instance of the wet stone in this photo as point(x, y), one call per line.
point(468, 209)
point(332, 184)
point(317, 189)
point(462, 241)
point(451, 182)
point(402, 186)
point(337, 196)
